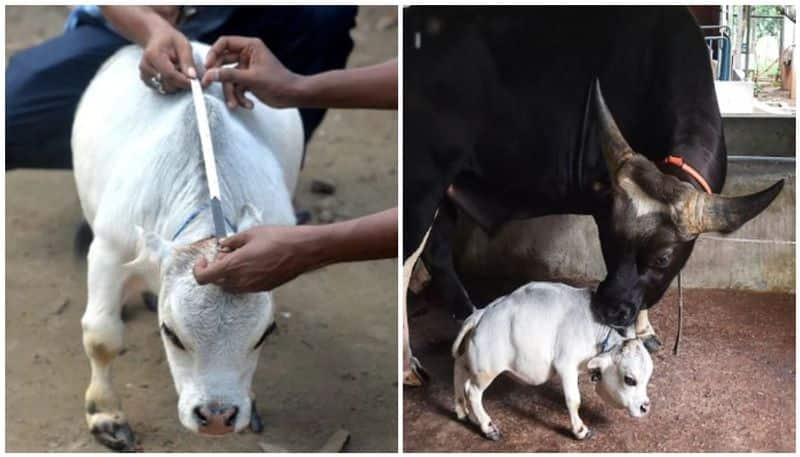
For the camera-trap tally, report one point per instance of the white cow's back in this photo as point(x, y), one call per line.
point(138, 161)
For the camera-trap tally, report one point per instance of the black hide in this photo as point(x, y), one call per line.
point(496, 101)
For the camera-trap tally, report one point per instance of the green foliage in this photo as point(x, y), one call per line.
point(766, 66)
point(765, 26)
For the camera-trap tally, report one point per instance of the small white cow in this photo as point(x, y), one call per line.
point(539, 330)
point(141, 182)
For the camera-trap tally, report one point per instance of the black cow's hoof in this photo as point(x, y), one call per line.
point(256, 425)
point(150, 301)
point(116, 436)
point(417, 375)
point(461, 415)
point(652, 343)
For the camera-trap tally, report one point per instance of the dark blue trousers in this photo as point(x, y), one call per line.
point(45, 83)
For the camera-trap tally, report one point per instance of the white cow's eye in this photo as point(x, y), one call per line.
point(269, 330)
point(172, 337)
point(630, 381)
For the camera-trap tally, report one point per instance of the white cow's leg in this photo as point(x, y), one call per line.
point(102, 341)
point(459, 383)
point(645, 332)
point(474, 390)
point(572, 395)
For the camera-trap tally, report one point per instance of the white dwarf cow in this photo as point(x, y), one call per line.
point(537, 331)
point(142, 186)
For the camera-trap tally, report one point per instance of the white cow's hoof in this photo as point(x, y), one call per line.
point(584, 433)
point(492, 432)
point(256, 425)
point(113, 431)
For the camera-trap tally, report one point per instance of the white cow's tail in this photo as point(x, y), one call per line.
point(466, 329)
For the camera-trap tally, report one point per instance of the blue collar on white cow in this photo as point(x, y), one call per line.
point(604, 347)
point(194, 215)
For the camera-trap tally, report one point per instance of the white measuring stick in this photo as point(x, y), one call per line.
point(208, 157)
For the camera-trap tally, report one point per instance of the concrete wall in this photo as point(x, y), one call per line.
point(759, 135)
point(567, 248)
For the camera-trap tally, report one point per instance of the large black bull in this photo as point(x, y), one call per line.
point(504, 119)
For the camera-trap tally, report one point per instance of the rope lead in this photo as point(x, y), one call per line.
point(680, 316)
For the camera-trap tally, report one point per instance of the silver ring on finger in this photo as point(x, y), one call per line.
point(157, 84)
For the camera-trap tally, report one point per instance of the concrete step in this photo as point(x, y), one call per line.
point(752, 127)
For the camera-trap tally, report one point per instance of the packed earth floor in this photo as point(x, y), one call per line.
point(730, 388)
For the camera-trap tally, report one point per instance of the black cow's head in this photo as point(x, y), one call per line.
point(654, 220)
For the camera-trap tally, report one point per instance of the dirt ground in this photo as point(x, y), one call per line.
point(333, 362)
point(731, 388)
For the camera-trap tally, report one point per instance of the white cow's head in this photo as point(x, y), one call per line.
point(622, 374)
point(212, 338)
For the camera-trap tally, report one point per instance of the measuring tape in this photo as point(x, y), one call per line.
point(208, 158)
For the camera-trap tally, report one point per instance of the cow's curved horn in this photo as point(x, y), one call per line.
point(615, 149)
point(715, 213)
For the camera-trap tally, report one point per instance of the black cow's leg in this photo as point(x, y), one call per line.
point(438, 258)
point(413, 373)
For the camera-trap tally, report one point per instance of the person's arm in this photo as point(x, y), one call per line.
point(261, 73)
point(365, 238)
point(366, 87)
point(138, 23)
point(264, 257)
point(167, 52)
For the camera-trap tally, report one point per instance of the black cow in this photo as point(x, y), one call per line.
point(501, 107)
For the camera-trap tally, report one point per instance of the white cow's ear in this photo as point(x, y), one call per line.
point(600, 362)
point(151, 251)
point(249, 216)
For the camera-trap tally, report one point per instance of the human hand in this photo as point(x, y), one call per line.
point(257, 71)
point(266, 256)
point(167, 62)
point(260, 259)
